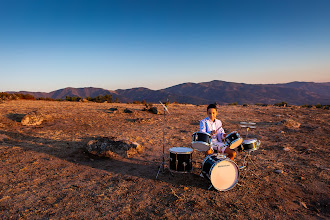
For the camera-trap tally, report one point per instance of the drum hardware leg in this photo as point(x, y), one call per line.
point(246, 165)
point(184, 166)
point(162, 165)
point(210, 187)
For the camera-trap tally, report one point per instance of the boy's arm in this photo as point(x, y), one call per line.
point(221, 134)
point(202, 126)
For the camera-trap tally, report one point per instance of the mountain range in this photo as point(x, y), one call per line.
point(296, 93)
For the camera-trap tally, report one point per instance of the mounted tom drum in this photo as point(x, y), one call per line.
point(201, 141)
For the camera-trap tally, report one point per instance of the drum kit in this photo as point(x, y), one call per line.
point(222, 172)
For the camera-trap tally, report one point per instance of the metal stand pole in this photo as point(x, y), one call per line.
point(246, 165)
point(162, 166)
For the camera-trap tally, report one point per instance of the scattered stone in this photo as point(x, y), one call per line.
point(33, 118)
point(290, 123)
point(286, 149)
point(142, 120)
point(113, 110)
point(282, 132)
point(84, 100)
point(278, 171)
point(109, 147)
point(153, 110)
point(126, 110)
point(3, 137)
point(303, 205)
point(138, 147)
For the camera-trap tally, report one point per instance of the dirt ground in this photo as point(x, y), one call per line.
point(45, 172)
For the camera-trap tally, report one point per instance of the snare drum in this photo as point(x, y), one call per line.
point(249, 145)
point(221, 171)
point(233, 140)
point(201, 141)
point(181, 159)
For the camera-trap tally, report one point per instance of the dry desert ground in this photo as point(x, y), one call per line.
point(46, 172)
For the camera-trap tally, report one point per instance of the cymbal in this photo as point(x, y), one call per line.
point(247, 123)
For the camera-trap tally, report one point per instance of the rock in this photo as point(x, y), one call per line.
point(138, 147)
point(33, 118)
point(109, 147)
point(282, 132)
point(286, 149)
point(126, 110)
point(153, 110)
point(303, 205)
point(3, 137)
point(290, 123)
point(278, 171)
point(113, 110)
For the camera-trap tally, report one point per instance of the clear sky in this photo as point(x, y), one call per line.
point(51, 44)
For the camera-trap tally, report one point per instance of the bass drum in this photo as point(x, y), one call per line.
point(221, 171)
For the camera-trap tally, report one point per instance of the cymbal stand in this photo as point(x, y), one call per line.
point(247, 125)
point(248, 155)
point(162, 165)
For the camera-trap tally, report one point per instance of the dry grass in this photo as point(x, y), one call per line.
point(46, 174)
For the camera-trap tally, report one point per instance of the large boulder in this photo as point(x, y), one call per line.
point(109, 147)
point(32, 118)
point(290, 123)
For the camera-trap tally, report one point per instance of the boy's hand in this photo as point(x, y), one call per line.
point(213, 132)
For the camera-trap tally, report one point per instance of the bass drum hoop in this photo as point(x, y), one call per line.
point(234, 184)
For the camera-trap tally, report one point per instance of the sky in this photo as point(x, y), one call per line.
point(47, 45)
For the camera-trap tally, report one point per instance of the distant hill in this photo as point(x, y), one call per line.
point(296, 93)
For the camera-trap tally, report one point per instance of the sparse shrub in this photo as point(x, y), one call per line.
point(72, 99)
point(15, 96)
point(282, 104)
point(234, 103)
point(318, 105)
point(46, 99)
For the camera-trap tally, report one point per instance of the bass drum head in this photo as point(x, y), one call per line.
point(224, 175)
point(200, 146)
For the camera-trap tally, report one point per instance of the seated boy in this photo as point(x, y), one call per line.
point(213, 126)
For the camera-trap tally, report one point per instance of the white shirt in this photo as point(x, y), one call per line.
point(207, 125)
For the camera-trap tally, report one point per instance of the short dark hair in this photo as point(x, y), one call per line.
point(212, 106)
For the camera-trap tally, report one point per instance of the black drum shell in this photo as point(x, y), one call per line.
point(201, 137)
point(249, 144)
point(208, 163)
point(177, 161)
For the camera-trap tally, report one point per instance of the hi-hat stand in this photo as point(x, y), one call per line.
point(246, 163)
point(162, 165)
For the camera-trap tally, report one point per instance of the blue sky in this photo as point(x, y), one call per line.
point(51, 44)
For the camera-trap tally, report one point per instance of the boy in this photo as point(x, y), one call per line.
point(213, 126)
